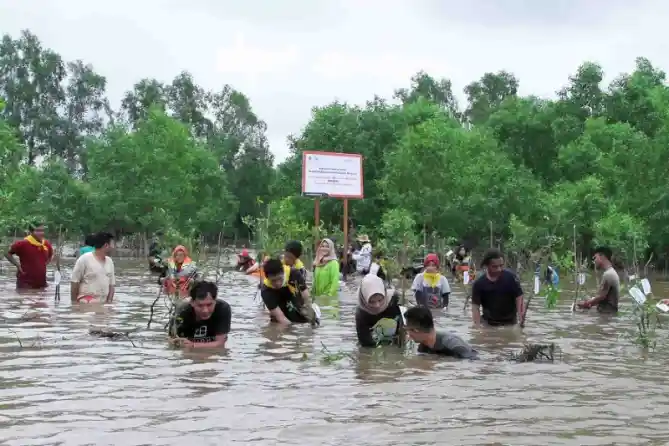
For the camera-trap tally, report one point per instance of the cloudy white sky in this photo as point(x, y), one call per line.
point(291, 55)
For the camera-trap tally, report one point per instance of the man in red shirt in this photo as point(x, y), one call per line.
point(34, 253)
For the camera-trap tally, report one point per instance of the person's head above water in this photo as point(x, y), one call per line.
point(603, 257)
point(326, 251)
point(493, 262)
point(420, 323)
point(431, 263)
point(180, 254)
point(274, 272)
point(36, 229)
point(462, 251)
point(373, 297)
point(292, 252)
point(203, 299)
point(89, 240)
point(103, 242)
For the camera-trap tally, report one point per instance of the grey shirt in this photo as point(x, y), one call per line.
point(449, 344)
point(611, 288)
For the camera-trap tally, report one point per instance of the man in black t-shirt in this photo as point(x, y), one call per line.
point(205, 320)
point(286, 295)
point(498, 292)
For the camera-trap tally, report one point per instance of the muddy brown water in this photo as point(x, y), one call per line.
point(272, 387)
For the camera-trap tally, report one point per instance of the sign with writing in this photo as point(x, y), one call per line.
point(332, 174)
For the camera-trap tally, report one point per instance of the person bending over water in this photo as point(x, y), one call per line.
point(420, 327)
point(205, 320)
point(609, 290)
point(497, 292)
point(291, 257)
point(93, 279)
point(285, 294)
point(244, 261)
point(430, 288)
point(326, 270)
point(34, 253)
point(378, 318)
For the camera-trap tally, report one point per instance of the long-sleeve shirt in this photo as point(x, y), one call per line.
point(326, 279)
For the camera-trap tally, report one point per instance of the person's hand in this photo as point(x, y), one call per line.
point(19, 270)
point(186, 343)
point(584, 305)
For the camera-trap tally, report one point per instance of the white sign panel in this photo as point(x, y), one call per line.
point(332, 174)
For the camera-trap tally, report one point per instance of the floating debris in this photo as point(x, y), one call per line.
point(537, 353)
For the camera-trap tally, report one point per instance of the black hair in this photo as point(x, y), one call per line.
point(273, 267)
point(490, 255)
point(457, 252)
point(294, 247)
point(605, 251)
point(101, 239)
point(34, 225)
point(420, 318)
point(89, 240)
point(203, 289)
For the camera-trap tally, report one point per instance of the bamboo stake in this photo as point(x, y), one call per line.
point(218, 255)
point(577, 270)
point(57, 276)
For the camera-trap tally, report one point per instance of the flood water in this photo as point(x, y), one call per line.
point(273, 387)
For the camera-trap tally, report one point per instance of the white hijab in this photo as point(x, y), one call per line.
point(370, 286)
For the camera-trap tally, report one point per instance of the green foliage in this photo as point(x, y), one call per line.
point(179, 158)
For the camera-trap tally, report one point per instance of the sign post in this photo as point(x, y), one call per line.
point(335, 175)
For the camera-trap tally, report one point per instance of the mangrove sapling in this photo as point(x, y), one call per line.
point(537, 353)
point(57, 276)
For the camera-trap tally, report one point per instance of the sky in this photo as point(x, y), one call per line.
point(288, 56)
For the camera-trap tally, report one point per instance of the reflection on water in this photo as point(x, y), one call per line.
point(65, 387)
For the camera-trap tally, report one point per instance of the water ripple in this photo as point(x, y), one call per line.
point(271, 387)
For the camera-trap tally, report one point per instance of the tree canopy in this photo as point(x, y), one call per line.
point(175, 155)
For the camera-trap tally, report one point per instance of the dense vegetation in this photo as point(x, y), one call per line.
point(177, 156)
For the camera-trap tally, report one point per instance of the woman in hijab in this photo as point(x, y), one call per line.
point(326, 270)
point(181, 272)
point(378, 319)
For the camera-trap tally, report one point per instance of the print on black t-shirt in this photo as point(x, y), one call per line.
point(204, 331)
point(497, 299)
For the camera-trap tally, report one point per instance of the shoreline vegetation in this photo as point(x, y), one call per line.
point(545, 180)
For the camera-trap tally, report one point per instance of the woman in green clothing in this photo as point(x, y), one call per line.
point(326, 270)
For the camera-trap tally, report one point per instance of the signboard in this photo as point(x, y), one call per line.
point(331, 174)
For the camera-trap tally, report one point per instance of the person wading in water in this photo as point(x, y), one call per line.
point(497, 292)
point(34, 253)
point(205, 320)
point(93, 279)
point(285, 294)
point(608, 295)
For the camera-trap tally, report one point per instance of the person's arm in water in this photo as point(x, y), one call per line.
point(253, 268)
point(14, 250)
point(363, 330)
point(112, 284)
point(445, 291)
point(223, 321)
point(300, 282)
point(476, 303)
point(417, 288)
point(75, 280)
point(520, 300)
point(602, 293)
point(271, 300)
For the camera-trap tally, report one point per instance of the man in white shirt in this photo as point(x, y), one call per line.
point(93, 278)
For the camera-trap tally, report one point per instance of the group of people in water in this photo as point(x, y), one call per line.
point(203, 320)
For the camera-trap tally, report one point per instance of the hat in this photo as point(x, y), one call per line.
point(363, 238)
point(245, 252)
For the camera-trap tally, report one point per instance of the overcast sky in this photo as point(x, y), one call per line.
point(291, 55)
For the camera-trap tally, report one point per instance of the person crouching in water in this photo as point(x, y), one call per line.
point(181, 271)
point(291, 257)
point(378, 318)
point(285, 294)
point(420, 328)
point(205, 320)
point(431, 289)
point(244, 261)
